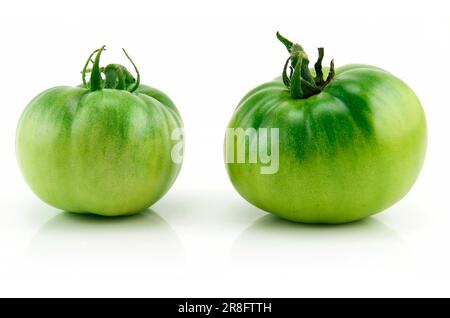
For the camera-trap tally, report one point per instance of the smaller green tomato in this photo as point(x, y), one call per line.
point(349, 142)
point(104, 147)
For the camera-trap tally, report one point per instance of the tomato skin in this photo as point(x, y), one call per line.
point(106, 152)
point(346, 153)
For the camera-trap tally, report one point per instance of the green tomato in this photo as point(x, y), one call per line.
point(104, 147)
point(349, 146)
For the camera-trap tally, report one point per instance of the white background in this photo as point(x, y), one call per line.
point(202, 238)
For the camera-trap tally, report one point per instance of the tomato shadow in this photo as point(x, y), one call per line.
point(271, 242)
point(207, 209)
point(143, 239)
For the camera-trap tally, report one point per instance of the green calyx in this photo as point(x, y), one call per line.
point(300, 82)
point(113, 76)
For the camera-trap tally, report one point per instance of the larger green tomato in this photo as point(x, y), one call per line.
point(350, 145)
point(104, 147)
